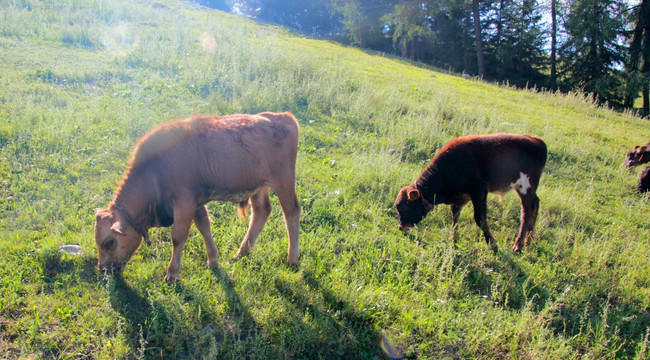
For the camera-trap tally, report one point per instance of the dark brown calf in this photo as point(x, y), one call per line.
point(469, 167)
point(179, 166)
point(637, 156)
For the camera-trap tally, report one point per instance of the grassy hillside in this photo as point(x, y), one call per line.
point(81, 80)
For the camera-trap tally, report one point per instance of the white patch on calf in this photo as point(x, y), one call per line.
point(522, 184)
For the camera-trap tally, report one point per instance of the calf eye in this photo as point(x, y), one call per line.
point(108, 244)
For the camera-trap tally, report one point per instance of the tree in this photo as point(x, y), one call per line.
point(410, 29)
point(639, 64)
point(354, 22)
point(478, 34)
point(452, 43)
point(514, 50)
point(593, 53)
point(314, 17)
point(362, 21)
point(553, 79)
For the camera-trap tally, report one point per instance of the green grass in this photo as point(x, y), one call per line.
point(81, 80)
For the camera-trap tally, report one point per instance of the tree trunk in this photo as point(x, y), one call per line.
point(499, 23)
point(403, 45)
point(639, 55)
point(553, 45)
point(645, 69)
point(646, 99)
point(479, 40)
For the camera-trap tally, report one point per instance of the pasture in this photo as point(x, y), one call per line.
point(82, 80)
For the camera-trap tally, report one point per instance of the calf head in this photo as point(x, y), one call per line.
point(116, 240)
point(637, 156)
point(410, 207)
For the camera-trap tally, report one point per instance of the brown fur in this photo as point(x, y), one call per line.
point(637, 156)
point(179, 166)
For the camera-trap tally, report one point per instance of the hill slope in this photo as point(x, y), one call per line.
point(81, 80)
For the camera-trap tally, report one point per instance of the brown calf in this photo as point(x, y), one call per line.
point(469, 167)
point(178, 167)
point(637, 156)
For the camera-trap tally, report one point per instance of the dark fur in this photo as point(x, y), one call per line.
point(644, 181)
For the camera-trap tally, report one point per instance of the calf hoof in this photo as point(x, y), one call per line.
point(240, 254)
point(528, 238)
point(212, 264)
point(170, 278)
point(293, 261)
point(516, 248)
point(494, 248)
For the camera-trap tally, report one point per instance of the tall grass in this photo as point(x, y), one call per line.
point(81, 80)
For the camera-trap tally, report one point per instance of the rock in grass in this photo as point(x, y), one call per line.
point(70, 249)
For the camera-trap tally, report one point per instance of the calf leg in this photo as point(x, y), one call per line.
point(261, 209)
point(184, 210)
point(529, 210)
point(479, 200)
point(291, 211)
point(202, 222)
point(455, 215)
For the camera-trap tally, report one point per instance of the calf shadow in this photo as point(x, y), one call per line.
point(154, 332)
point(521, 291)
point(137, 310)
point(57, 268)
point(60, 270)
point(330, 327)
point(307, 322)
point(626, 320)
point(238, 326)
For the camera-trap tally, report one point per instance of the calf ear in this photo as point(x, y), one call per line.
point(645, 151)
point(102, 214)
point(117, 227)
point(413, 194)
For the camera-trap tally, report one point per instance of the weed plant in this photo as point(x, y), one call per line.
point(82, 80)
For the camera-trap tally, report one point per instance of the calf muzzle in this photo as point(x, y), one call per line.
point(109, 268)
point(404, 227)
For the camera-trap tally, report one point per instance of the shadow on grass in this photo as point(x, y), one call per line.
point(309, 322)
point(237, 330)
point(137, 311)
point(516, 292)
point(323, 325)
point(596, 319)
point(158, 329)
point(60, 269)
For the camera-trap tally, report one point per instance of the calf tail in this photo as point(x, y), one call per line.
point(242, 211)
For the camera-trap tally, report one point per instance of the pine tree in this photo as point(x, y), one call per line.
point(514, 52)
point(592, 52)
point(452, 45)
point(314, 17)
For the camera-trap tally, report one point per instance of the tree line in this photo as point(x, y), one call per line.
point(598, 47)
